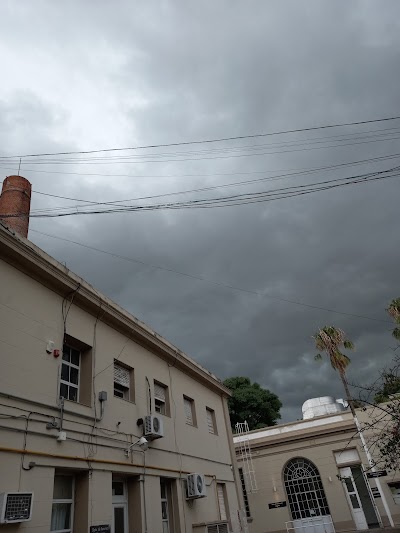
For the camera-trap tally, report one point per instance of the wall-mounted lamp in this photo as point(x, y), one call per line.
point(330, 478)
point(274, 488)
point(143, 444)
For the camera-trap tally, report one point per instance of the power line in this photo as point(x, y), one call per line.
point(212, 282)
point(378, 158)
point(202, 189)
point(231, 156)
point(231, 200)
point(206, 141)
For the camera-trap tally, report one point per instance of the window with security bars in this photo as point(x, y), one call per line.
point(122, 381)
point(63, 504)
point(244, 492)
point(161, 399)
point(306, 495)
point(211, 422)
point(70, 368)
point(190, 415)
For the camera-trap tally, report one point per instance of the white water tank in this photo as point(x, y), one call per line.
point(325, 405)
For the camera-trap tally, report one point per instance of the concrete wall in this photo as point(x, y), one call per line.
point(30, 316)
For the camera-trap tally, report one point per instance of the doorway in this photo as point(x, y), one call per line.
point(120, 506)
point(359, 498)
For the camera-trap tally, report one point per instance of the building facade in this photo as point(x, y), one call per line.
point(313, 475)
point(102, 420)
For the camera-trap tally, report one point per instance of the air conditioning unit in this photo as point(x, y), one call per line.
point(196, 486)
point(153, 427)
point(15, 507)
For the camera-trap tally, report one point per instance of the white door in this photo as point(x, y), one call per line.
point(120, 506)
point(353, 498)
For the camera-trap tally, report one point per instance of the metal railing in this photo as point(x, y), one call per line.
point(316, 524)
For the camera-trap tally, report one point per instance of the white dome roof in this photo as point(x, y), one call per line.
point(325, 405)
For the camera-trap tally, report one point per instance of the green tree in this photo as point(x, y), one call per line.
point(394, 312)
point(330, 340)
point(250, 402)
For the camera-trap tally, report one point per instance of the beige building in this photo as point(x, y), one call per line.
point(105, 426)
point(313, 475)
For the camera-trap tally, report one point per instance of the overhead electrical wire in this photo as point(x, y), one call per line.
point(231, 200)
point(218, 157)
point(212, 282)
point(206, 141)
point(232, 149)
point(202, 189)
point(214, 174)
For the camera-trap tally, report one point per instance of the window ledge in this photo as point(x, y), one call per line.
point(125, 400)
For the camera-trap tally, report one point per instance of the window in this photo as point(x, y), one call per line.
point(244, 492)
point(304, 489)
point(190, 413)
point(123, 382)
point(221, 501)
point(69, 383)
point(161, 399)
point(164, 506)
point(211, 422)
point(76, 372)
point(63, 504)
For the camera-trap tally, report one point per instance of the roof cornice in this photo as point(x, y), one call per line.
point(36, 263)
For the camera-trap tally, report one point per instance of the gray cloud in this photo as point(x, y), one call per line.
point(128, 75)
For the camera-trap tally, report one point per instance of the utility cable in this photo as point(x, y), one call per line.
point(212, 282)
point(206, 141)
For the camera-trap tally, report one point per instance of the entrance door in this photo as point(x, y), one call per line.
point(120, 506)
point(353, 498)
point(361, 503)
point(120, 522)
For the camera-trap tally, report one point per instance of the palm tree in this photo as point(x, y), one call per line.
point(394, 312)
point(329, 340)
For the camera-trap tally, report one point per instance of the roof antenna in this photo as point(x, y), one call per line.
point(19, 166)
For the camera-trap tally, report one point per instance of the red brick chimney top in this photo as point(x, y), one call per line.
point(15, 203)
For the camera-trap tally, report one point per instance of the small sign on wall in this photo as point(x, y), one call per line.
point(276, 505)
point(378, 473)
point(105, 528)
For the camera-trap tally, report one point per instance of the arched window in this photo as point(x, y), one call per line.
point(304, 489)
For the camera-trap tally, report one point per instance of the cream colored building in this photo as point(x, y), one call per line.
point(312, 475)
point(79, 456)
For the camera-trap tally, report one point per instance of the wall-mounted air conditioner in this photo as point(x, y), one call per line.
point(15, 507)
point(196, 486)
point(153, 427)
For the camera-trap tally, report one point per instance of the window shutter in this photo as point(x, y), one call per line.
point(188, 411)
point(210, 421)
point(221, 501)
point(121, 375)
point(159, 392)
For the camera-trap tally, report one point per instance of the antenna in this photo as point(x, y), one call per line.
point(19, 166)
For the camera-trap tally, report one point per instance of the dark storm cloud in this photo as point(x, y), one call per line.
point(169, 72)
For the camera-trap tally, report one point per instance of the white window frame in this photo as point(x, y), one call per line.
point(212, 427)
point(71, 365)
point(188, 406)
point(160, 404)
point(125, 390)
point(65, 500)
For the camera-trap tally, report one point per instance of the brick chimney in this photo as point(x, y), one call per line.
point(15, 199)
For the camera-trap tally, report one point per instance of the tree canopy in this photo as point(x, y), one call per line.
point(250, 402)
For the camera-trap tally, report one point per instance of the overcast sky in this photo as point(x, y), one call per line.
point(83, 75)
